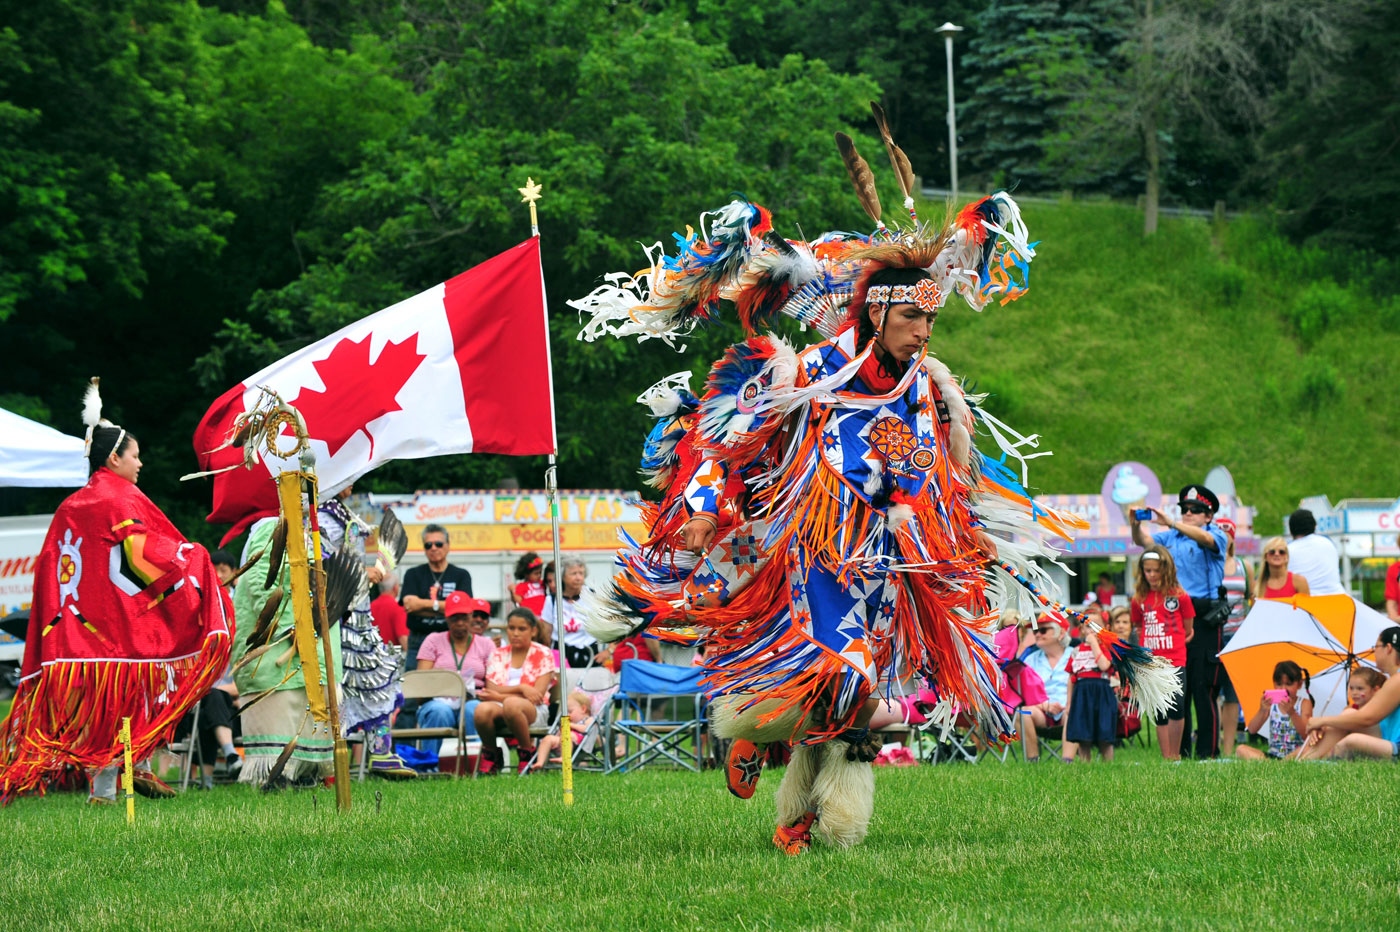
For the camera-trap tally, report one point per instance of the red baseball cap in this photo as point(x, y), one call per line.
point(459, 603)
point(481, 605)
point(1226, 525)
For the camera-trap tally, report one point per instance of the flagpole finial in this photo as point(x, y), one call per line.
point(528, 195)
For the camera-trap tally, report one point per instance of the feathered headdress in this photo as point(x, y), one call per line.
point(93, 419)
point(982, 253)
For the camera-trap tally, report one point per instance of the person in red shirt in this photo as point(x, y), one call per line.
point(1093, 709)
point(1392, 590)
point(1105, 591)
point(389, 616)
point(1164, 617)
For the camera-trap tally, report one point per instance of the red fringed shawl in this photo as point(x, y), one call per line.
point(128, 619)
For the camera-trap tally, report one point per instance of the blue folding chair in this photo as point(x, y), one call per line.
point(644, 740)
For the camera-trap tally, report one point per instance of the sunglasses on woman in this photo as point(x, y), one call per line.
point(1275, 553)
point(1194, 510)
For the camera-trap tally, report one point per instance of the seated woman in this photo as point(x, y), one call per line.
point(465, 653)
point(1344, 734)
point(1048, 657)
point(516, 697)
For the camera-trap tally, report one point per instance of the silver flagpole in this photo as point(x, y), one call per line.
point(529, 195)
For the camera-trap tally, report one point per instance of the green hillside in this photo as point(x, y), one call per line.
point(1188, 349)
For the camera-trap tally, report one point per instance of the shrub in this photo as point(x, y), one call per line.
point(1320, 305)
point(1318, 383)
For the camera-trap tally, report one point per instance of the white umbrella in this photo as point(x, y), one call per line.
point(35, 455)
point(1327, 635)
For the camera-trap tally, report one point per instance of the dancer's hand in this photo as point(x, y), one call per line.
point(698, 534)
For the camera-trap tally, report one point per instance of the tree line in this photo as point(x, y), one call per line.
point(191, 190)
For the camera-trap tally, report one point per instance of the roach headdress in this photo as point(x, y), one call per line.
point(736, 259)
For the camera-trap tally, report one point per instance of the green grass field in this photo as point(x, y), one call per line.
point(1137, 844)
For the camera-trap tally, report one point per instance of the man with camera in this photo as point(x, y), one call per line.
point(1198, 548)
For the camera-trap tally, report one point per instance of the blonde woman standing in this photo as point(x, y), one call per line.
point(1275, 581)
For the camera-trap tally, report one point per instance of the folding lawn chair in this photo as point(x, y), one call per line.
point(677, 739)
point(433, 684)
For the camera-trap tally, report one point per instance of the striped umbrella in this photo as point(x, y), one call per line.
point(1327, 635)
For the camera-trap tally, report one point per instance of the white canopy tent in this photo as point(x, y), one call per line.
point(37, 456)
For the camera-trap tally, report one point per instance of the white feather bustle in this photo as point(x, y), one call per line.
point(604, 618)
point(798, 267)
point(1155, 686)
point(664, 398)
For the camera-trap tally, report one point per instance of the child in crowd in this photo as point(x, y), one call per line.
point(529, 589)
point(1120, 622)
point(1093, 709)
point(580, 718)
point(1362, 685)
point(1286, 713)
point(1162, 612)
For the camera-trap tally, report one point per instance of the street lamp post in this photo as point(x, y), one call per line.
point(947, 31)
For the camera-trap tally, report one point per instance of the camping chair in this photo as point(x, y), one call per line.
point(953, 744)
point(188, 749)
point(641, 682)
point(434, 684)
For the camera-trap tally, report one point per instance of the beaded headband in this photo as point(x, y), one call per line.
point(925, 295)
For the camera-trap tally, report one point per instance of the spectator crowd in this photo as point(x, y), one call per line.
point(1189, 595)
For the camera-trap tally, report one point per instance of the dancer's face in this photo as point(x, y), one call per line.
point(906, 330)
point(128, 464)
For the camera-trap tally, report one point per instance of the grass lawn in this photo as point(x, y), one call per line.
point(1138, 844)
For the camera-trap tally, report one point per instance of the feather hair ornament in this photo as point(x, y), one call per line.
point(903, 171)
point(92, 416)
point(861, 177)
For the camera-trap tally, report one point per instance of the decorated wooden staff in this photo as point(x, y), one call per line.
point(259, 432)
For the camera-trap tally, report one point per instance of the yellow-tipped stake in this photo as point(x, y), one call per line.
point(566, 737)
point(126, 772)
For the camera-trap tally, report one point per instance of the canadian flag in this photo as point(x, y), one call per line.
point(463, 367)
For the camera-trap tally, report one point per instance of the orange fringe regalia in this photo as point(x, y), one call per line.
point(859, 532)
point(128, 621)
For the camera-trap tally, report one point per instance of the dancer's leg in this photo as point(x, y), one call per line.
point(844, 791)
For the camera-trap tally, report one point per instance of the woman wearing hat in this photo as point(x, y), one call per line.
point(1049, 657)
point(1197, 548)
point(463, 652)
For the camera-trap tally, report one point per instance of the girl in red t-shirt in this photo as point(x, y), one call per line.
point(1162, 613)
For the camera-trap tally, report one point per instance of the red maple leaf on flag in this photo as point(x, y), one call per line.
point(357, 391)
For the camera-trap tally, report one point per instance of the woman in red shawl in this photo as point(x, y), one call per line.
point(128, 621)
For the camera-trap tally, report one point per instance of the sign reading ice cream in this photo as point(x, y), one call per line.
point(1131, 485)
